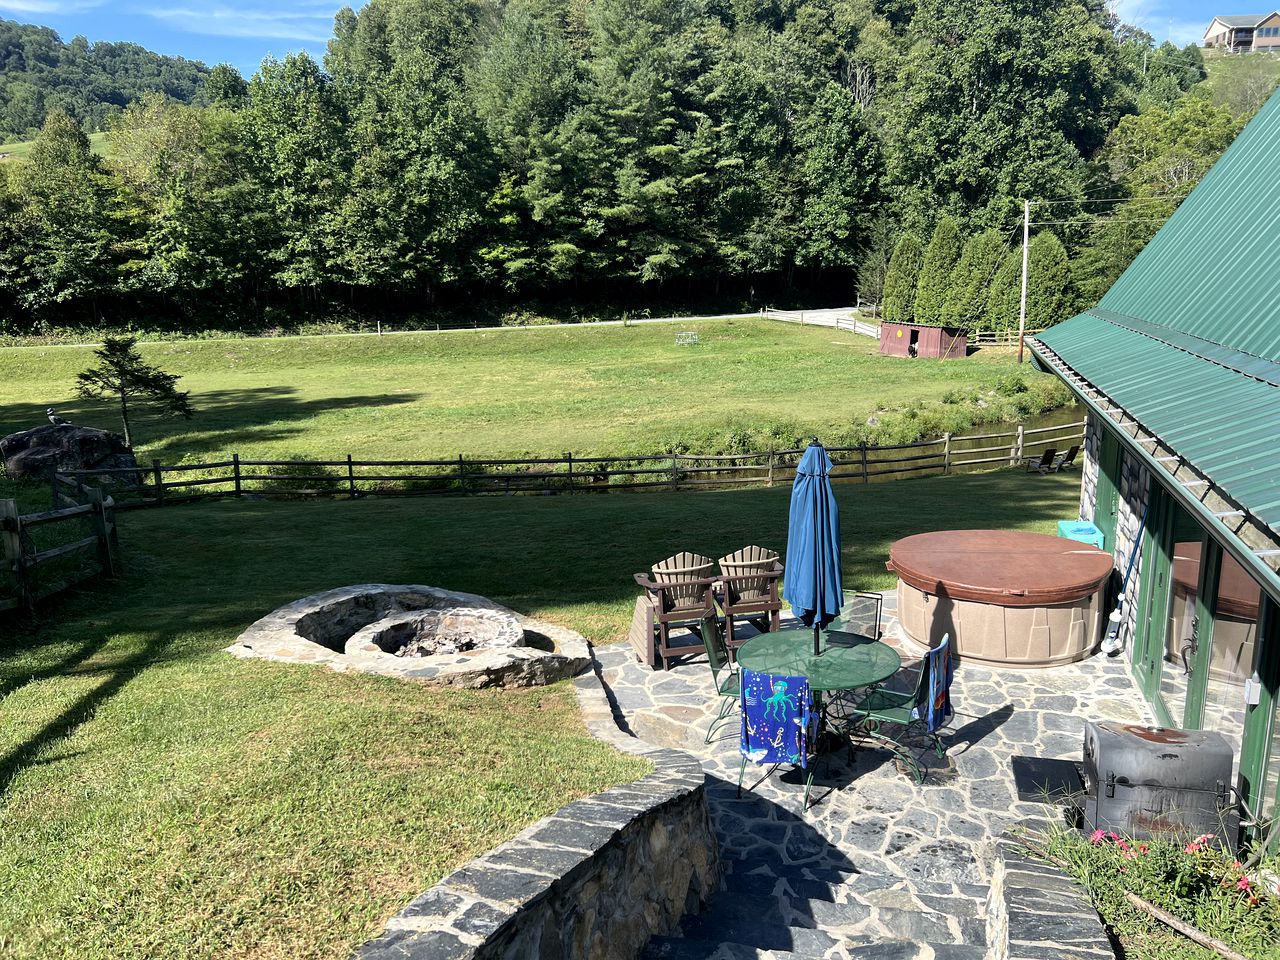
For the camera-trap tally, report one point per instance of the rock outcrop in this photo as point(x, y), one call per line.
point(34, 454)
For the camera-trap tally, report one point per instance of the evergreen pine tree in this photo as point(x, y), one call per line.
point(900, 280)
point(1003, 300)
point(940, 258)
point(971, 280)
point(1048, 277)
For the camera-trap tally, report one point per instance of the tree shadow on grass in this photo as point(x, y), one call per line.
point(116, 677)
point(224, 419)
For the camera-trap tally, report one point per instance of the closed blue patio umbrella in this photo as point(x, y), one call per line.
point(811, 578)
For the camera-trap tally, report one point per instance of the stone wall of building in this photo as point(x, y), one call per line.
point(1089, 469)
point(593, 881)
point(1036, 912)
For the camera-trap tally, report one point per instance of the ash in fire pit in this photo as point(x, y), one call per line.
point(447, 630)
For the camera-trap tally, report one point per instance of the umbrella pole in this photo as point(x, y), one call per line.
point(816, 630)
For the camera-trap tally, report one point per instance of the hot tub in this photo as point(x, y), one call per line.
point(1006, 598)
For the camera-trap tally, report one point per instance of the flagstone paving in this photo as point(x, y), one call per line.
point(876, 860)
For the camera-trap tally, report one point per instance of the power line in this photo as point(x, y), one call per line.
point(1097, 223)
point(1170, 196)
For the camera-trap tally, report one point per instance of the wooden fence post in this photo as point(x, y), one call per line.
point(11, 551)
point(946, 453)
point(159, 482)
point(862, 447)
point(675, 471)
point(1015, 455)
point(462, 476)
point(351, 477)
point(106, 561)
point(235, 471)
point(569, 482)
point(769, 482)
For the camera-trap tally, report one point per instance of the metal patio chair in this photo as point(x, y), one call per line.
point(777, 713)
point(723, 675)
point(927, 706)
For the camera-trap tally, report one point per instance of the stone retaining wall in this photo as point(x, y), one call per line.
point(1036, 912)
point(593, 881)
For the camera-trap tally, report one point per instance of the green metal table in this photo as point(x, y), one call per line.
point(848, 660)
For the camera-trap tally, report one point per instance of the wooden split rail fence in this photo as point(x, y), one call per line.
point(27, 564)
point(160, 483)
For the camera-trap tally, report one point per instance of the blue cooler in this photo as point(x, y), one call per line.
point(1081, 530)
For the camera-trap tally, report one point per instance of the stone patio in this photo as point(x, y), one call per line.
point(876, 860)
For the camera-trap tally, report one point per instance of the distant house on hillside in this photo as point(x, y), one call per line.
point(1247, 34)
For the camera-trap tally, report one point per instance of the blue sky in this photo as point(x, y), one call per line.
point(242, 32)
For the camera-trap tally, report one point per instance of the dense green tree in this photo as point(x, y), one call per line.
point(901, 279)
point(40, 74)
point(939, 261)
point(298, 149)
point(63, 250)
point(225, 87)
point(971, 280)
point(996, 102)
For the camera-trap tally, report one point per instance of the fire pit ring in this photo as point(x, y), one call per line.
point(419, 633)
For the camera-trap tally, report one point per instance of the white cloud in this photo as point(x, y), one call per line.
point(308, 21)
point(55, 7)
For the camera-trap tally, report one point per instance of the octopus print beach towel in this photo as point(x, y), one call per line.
point(775, 718)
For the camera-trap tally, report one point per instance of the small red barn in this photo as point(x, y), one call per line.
point(913, 340)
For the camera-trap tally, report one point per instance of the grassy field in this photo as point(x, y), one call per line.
point(162, 799)
point(98, 141)
point(1239, 82)
point(591, 390)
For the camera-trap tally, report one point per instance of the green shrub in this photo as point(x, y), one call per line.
point(285, 479)
point(1011, 384)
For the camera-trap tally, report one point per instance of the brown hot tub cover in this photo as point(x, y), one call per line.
point(1003, 567)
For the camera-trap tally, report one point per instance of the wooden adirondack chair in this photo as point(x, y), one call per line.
point(677, 592)
point(1067, 459)
point(1042, 463)
point(748, 590)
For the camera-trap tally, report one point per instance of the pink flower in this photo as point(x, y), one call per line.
point(1143, 848)
point(1243, 883)
point(1237, 865)
point(1195, 846)
point(1097, 836)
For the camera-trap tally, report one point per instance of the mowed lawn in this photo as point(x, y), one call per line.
point(590, 391)
point(162, 799)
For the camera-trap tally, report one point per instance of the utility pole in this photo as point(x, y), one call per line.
point(1022, 310)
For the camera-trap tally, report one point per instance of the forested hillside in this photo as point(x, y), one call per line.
point(465, 151)
point(92, 82)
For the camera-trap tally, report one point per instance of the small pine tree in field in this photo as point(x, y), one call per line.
point(124, 377)
point(971, 280)
point(1048, 279)
point(940, 258)
point(900, 280)
point(1003, 300)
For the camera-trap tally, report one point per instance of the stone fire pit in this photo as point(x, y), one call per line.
point(417, 633)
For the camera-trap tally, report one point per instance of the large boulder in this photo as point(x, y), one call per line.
point(35, 454)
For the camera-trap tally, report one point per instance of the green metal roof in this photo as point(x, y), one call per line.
point(1187, 341)
point(1214, 269)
